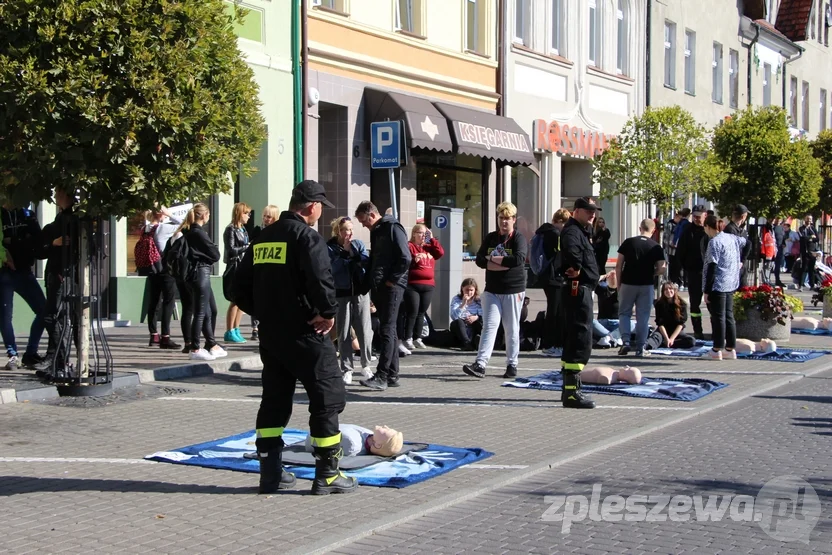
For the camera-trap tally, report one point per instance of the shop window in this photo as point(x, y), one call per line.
point(136, 224)
point(525, 195)
point(455, 181)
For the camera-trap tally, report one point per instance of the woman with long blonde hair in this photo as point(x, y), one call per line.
point(203, 255)
point(236, 241)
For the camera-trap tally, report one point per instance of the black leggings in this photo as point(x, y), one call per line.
point(162, 286)
point(205, 309)
point(416, 303)
point(187, 318)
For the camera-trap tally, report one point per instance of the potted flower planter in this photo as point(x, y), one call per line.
point(754, 328)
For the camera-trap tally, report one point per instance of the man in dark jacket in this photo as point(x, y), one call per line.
point(691, 251)
point(739, 216)
point(553, 282)
point(389, 263)
point(21, 235)
point(780, 237)
point(285, 281)
point(581, 271)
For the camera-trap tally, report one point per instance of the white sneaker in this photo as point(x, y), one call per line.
point(605, 341)
point(14, 363)
point(408, 343)
point(404, 351)
point(419, 344)
point(373, 358)
point(218, 351)
point(348, 377)
point(553, 352)
point(367, 372)
point(201, 354)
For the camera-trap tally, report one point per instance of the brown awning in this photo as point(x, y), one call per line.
point(487, 135)
point(425, 126)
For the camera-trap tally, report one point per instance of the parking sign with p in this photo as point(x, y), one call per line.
point(385, 144)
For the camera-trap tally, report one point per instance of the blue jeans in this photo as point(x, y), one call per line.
point(603, 327)
point(640, 297)
point(23, 283)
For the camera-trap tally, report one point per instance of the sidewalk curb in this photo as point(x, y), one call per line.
point(195, 369)
point(7, 396)
point(333, 541)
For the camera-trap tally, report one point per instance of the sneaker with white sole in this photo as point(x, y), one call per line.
point(419, 344)
point(348, 377)
point(605, 342)
point(404, 351)
point(408, 344)
point(552, 352)
point(13, 363)
point(201, 354)
point(373, 358)
point(218, 351)
point(729, 355)
point(367, 372)
point(712, 355)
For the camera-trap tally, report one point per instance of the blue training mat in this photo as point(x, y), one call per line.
point(812, 332)
point(417, 466)
point(786, 355)
point(670, 389)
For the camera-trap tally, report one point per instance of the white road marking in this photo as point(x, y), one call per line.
point(519, 404)
point(74, 460)
point(477, 466)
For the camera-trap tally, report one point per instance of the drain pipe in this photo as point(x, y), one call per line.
point(785, 63)
point(299, 113)
point(304, 95)
point(502, 77)
point(750, 61)
point(647, 56)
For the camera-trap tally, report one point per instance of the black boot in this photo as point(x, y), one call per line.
point(572, 397)
point(167, 343)
point(272, 476)
point(328, 479)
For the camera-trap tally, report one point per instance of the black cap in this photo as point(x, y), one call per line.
point(699, 209)
point(740, 209)
point(310, 190)
point(587, 203)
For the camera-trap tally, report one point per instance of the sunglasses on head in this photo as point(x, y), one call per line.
point(345, 219)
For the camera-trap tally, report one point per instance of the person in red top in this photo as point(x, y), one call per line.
point(425, 250)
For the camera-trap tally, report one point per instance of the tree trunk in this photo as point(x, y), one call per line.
point(82, 304)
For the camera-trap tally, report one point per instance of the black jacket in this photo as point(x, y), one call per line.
point(21, 236)
point(203, 250)
point(551, 249)
point(389, 253)
point(666, 315)
point(285, 280)
point(691, 248)
point(577, 252)
point(235, 241)
point(508, 281)
point(59, 259)
point(732, 228)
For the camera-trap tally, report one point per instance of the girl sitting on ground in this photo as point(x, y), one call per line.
point(466, 315)
point(671, 317)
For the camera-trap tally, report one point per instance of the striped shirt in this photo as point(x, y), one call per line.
point(724, 250)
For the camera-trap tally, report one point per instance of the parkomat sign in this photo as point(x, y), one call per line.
point(565, 139)
point(492, 138)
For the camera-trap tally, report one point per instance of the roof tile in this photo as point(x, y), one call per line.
point(793, 18)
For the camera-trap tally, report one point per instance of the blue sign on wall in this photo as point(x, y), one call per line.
point(385, 144)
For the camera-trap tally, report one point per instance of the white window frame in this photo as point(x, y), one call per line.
point(823, 97)
point(766, 84)
point(522, 17)
point(325, 4)
point(669, 54)
point(595, 33)
point(411, 28)
point(793, 100)
point(690, 61)
point(475, 28)
point(622, 15)
point(556, 28)
point(716, 65)
point(733, 78)
point(805, 106)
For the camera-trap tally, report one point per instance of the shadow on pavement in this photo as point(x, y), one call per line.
point(17, 485)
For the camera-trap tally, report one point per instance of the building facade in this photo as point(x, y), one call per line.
point(575, 74)
point(434, 66)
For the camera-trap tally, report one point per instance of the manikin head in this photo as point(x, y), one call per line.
point(385, 441)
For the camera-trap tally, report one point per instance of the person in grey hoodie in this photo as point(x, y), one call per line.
point(348, 257)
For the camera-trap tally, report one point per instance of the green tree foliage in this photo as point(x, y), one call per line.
point(766, 170)
point(659, 156)
point(822, 150)
point(131, 102)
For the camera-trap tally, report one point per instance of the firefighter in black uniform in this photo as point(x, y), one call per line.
point(285, 281)
point(691, 251)
point(579, 267)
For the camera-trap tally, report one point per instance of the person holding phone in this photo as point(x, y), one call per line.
point(424, 252)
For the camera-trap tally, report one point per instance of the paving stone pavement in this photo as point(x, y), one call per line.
point(72, 477)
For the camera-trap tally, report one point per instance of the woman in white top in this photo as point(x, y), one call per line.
point(162, 285)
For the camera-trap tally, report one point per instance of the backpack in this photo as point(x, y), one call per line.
point(177, 260)
point(146, 252)
point(537, 257)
